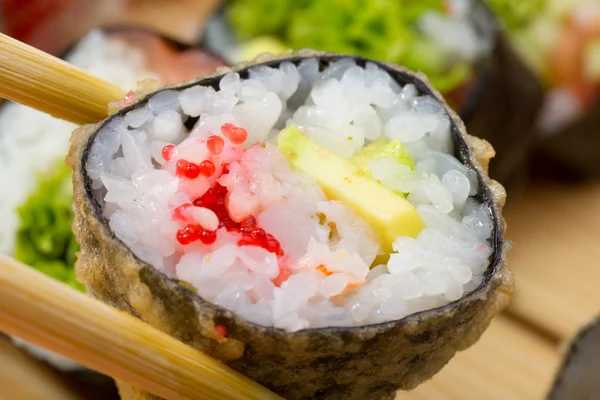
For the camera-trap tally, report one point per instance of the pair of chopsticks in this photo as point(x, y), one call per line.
point(44, 312)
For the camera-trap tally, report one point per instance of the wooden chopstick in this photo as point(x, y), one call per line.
point(47, 313)
point(38, 80)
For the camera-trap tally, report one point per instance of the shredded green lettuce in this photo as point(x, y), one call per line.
point(259, 17)
point(45, 239)
point(517, 14)
point(364, 27)
point(379, 29)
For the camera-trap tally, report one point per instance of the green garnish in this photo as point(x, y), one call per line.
point(260, 17)
point(517, 14)
point(383, 30)
point(44, 238)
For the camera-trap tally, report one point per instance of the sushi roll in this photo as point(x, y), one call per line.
point(560, 43)
point(320, 222)
point(37, 213)
point(456, 43)
point(577, 377)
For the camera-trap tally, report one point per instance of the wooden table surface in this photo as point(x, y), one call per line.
point(24, 378)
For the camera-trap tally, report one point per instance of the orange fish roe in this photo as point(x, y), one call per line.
point(321, 268)
point(350, 287)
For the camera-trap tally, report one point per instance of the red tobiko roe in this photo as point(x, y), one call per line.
point(215, 144)
point(273, 246)
point(167, 151)
point(220, 331)
point(259, 235)
point(249, 222)
point(214, 199)
point(236, 134)
point(128, 99)
point(183, 237)
point(207, 168)
point(187, 169)
point(193, 231)
point(208, 237)
point(208, 200)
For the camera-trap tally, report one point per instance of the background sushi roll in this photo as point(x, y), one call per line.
point(37, 213)
point(560, 43)
point(456, 43)
point(263, 270)
point(51, 25)
point(577, 377)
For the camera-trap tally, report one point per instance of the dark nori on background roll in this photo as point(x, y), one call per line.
point(577, 377)
point(560, 43)
point(502, 107)
point(505, 113)
point(93, 385)
point(577, 148)
point(500, 104)
point(366, 362)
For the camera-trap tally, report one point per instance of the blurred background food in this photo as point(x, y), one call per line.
point(525, 75)
point(560, 42)
point(456, 43)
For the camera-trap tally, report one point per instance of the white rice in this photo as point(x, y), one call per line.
point(464, 33)
point(31, 141)
point(328, 248)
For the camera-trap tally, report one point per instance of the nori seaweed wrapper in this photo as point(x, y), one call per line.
point(577, 377)
point(577, 147)
point(366, 362)
point(500, 103)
